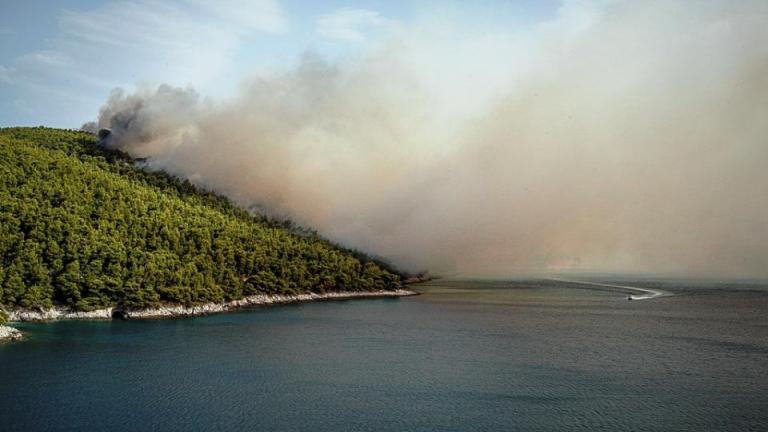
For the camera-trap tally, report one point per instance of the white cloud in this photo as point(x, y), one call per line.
point(124, 42)
point(350, 25)
point(44, 58)
point(263, 16)
point(188, 42)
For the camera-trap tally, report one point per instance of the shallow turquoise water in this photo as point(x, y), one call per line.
point(465, 355)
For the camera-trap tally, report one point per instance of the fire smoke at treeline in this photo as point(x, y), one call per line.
point(619, 136)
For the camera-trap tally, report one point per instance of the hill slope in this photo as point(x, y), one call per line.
point(83, 227)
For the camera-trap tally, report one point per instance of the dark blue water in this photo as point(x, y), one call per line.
point(522, 355)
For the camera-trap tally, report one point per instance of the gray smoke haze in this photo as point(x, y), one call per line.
point(619, 136)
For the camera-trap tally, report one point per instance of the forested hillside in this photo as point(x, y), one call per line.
point(82, 226)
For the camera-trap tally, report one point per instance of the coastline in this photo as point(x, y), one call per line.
point(176, 310)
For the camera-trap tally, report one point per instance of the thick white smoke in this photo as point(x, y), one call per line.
point(619, 136)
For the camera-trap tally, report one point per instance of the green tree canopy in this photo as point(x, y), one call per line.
point(82, 226)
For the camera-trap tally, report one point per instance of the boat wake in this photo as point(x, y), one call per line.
point(635, 293)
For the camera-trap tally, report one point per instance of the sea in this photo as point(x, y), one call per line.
point(527, 354)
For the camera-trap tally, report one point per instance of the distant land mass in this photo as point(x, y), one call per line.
point(83, 228)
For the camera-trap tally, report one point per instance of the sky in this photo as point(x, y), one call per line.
point(59, 59)
point(480, 138)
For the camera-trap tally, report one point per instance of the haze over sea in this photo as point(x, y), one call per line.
point(533, 355)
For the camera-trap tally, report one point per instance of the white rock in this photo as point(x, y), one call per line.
point(167, 311)
point(256, 300)
point(58, 313)
point(9, 333)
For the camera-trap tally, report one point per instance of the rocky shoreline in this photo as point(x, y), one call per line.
point(9, 333)
point(172, 310)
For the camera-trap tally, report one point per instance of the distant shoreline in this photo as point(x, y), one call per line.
point(58, 313)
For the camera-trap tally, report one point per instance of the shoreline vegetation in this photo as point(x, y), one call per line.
point(87, 233)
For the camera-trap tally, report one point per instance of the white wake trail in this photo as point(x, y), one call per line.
point(642, 293)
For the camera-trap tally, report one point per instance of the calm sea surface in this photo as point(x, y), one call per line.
point(465, 355)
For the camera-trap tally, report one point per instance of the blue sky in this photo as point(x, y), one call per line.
point(59, 59)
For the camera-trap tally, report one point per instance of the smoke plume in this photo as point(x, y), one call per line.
point(617, 136)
